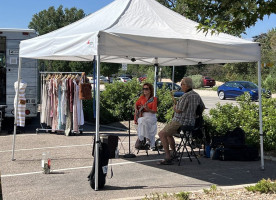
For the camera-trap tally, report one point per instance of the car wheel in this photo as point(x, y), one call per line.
point(221, 95)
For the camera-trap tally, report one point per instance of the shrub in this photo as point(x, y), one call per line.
point(213, 189)
point(226, 117)
point(222, 118)
point(165, 105)
point(215, 88)
point(263, 186)
point(270, 83)
point(165, 196)
point(182, 195)
point(117, 101)
point(88, 110)
point(197, 81)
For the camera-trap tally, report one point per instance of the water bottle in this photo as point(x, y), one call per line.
point(212, 152)
point(46, 162)
point(43, 160)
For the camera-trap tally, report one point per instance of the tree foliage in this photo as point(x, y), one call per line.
point(179, 73)
point(223, 15)
point(107, 69)
point(268, 57)
point(52, 19)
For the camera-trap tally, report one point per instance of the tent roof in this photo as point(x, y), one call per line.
point(140, 29)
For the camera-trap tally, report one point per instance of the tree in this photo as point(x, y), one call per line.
point(49, 20)
point(107, 69)
point(179, 73)
point(223, 15)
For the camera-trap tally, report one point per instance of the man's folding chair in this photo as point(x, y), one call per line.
point(186, 140)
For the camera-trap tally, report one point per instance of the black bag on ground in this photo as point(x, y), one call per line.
point(232, 139)
point(112, 142)
point(245, 153)
point(217, 153)
point(102, 167)
point(217, 141)
point(235, 138)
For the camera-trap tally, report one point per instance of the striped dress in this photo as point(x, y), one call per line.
point(21, 104)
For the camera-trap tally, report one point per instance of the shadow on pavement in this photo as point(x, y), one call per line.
point(223, 173)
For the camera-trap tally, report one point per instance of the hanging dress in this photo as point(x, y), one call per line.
point(21, 102)
point(49, 103)
point(78, 118)
point(69, 117)
point(63, 101)
point(55, 105)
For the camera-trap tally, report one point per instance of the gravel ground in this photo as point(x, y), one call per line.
point(228, 193)
point(233, 194)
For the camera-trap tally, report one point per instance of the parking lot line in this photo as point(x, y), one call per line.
point(85, 167)
point(54, 147)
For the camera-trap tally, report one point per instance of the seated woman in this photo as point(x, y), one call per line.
point(145, 115)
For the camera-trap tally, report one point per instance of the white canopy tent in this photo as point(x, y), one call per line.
point(140, 32)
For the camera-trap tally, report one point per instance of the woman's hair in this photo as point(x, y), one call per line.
point(150, 87)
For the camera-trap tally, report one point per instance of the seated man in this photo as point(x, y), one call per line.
point(184, 114)
point(145, 116)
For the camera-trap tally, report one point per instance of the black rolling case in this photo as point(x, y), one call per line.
point(244, 153)
point(102, 167)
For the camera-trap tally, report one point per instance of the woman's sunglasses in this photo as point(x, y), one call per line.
point(145, 88)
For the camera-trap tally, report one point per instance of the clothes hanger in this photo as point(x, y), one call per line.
point(64, 77)
point(47, 77)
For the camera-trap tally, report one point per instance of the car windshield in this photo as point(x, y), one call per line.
point(207, 77)
point(176, 87)
point(169, 86)
point(249, 85)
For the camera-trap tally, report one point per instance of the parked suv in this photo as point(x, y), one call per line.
point(207, 81)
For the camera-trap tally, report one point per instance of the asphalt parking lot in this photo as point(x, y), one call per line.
point(133, 177)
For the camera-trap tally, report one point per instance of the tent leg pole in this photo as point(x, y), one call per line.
point(97, 120)
point(260, 115)
point(173, 74)
point(16, 108)
point(155, 75)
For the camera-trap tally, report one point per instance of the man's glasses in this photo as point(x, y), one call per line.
point(145, 88)
point(183, 84)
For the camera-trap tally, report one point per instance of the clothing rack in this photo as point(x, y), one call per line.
point(42, 77)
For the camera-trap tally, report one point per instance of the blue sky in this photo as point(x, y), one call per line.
point(18, 13)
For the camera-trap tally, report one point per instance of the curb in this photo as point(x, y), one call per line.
point(201, 190)
point(271, 158)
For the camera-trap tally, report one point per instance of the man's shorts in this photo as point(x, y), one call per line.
point(171, 128)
